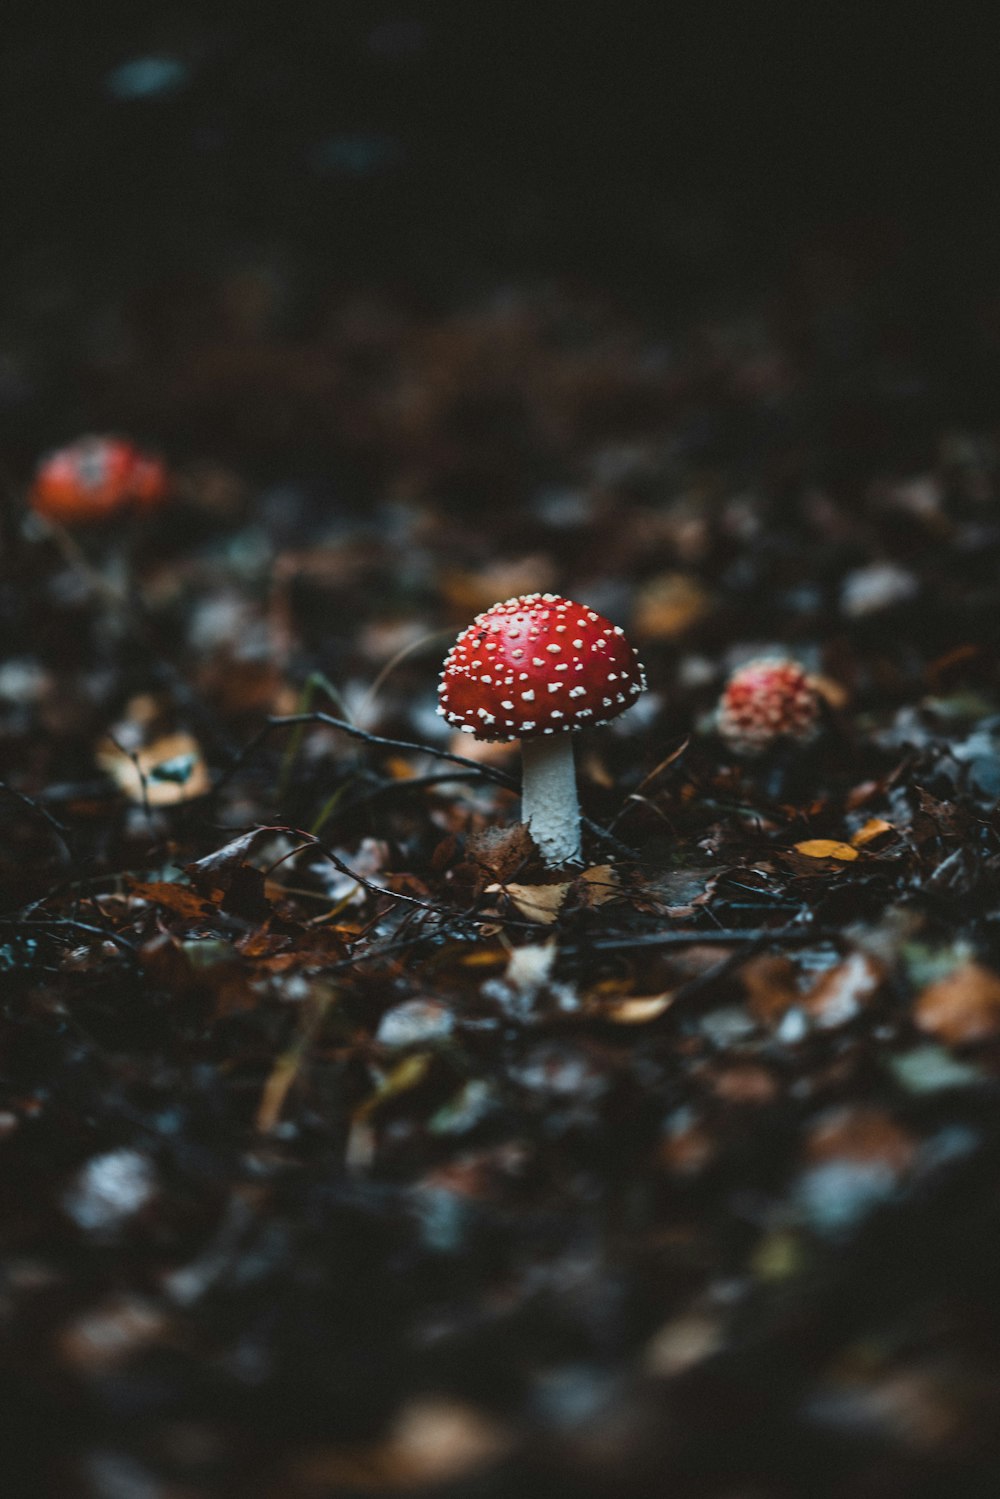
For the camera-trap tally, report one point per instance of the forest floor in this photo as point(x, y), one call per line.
point(345, 1151)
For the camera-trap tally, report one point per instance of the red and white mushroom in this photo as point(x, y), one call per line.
point(536, 668)
point(766, 701)
point(97, 479)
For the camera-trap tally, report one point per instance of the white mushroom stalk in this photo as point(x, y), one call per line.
point(549, 803)
point(537, 668)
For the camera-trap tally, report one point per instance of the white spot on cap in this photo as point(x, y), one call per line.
point(529, 696)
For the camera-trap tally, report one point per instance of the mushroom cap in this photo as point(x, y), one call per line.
point(97, 477)
point(535, 665)
point(766, 700)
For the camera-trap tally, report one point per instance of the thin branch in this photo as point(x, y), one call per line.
point(30, 805)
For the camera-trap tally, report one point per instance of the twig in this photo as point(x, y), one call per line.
point(55, 826)
point(379, 741)
point(55, 922)
point(716, 937)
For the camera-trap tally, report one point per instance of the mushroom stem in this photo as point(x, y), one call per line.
point(549, 803)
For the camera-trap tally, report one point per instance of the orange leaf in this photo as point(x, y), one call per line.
point(873, 828)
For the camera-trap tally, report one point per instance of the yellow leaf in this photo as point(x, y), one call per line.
point(406, 1075)
point(826, 848)
point(873, 828)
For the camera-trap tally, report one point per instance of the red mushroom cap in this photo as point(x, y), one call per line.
point(97, 477)
point(765, 701)
point(538, 664)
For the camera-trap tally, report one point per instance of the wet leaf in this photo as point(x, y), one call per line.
point(179, 899)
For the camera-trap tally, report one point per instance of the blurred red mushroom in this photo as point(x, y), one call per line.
point(96, 478)
point(767, 701)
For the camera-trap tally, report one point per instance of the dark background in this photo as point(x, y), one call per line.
point(683, 158)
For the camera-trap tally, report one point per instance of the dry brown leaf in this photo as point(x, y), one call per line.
point(599, 885)
point(772, 986)
point(826, 848)
point(165, 773)
point(963, 1007)
point(502, 850)
point(541, 903)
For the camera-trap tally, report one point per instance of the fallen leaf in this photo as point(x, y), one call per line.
point(962, 1008)
point(843, 992)
point(873, 828)
point(636, 1009)
point(502, 850)
point(165, 773)
point(826, 848)
point(172, 897)
point(599, 885)
point(541, 903)
point(771, 982)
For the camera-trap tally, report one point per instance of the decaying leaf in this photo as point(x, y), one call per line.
point(504, 851)
point(171, 897)
point(598, 886)
point(165, 773)
point(226, 878)
point(541, 903)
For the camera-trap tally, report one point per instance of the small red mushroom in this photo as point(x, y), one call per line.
point(96, 478)
point(536, 668)
point(766, 701)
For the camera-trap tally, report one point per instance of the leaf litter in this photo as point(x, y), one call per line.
point(323, 1100)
